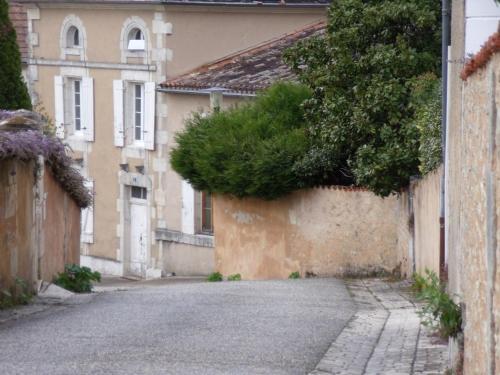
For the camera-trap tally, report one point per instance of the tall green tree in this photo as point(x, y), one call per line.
point(13, 91)
point(362, 73)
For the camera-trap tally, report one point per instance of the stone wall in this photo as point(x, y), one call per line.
point(474, 255)
point(39, 225)
point(325, 232)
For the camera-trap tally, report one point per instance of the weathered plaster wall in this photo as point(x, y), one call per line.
point(188, 260)
point(426, 205)
point(477, 235)
point(328, 232)
point(39, 225)
point(60, 228)
point(17, 259)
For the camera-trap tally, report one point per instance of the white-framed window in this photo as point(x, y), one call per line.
point(74, 107)
point(73, 38)
point(138, 99)
point(134, 113)
point(135, 40)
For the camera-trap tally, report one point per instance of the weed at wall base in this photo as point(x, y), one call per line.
point(77, 279)
point(440, 312)
point(215, 277)
point(18, 294)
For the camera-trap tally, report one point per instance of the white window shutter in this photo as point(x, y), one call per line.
point(118, 113)
point(149, 115)
point(87, 218)
point(88, 108)
point(59, 106)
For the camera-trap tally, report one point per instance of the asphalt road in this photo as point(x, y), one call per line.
point(240, 328)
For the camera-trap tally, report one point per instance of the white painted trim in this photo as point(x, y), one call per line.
point(118, 106)
point(131, 23)
point(188, 224)
point(68, 22)
point(93, 65)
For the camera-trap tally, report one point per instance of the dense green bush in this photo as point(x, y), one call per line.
point(247, 151)
point(361, 121)
point(13, 91)
point(77, 279)
point(426, 101)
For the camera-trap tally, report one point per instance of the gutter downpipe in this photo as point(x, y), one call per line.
point(445, 39)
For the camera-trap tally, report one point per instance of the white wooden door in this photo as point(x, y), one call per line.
point(138, 237)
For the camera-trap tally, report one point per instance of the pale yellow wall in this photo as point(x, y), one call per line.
point(103, 27)
point(329, 232)
point(426, 205)
point(203, 34)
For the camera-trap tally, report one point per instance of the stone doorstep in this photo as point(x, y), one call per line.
point(384, 336)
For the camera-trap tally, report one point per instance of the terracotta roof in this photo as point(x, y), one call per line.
point(246, 71)
point(19, 19)
point(480, 59)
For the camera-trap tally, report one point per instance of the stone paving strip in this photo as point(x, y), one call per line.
point(384, 337)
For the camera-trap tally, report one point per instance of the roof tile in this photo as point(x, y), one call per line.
point(249, 70)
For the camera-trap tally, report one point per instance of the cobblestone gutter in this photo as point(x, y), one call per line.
point(384, 337)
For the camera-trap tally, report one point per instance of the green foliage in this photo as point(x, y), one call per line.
point(440, 311)
point(235, 277)
point(426, 101)
point(247, 151)
point(214, 277)
point(13, 91)
point(19, 294)
point(77, 279)
point(361, 121)
point(294, 275)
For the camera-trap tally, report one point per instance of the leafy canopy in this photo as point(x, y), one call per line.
point(247, 151)
point(361, 121)
point(13, 91)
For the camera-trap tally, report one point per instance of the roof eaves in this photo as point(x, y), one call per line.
point(205, 91)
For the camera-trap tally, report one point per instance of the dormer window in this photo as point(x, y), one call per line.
point(73, 38)
point(136, 40)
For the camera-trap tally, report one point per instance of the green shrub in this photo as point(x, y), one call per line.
point(19, 294)
point(294, 275)
point(440, 312)
point(426, 101)
point(247, 151)
point(215, 277)
point(77, 279)
point(361, 122)
point(235, 277)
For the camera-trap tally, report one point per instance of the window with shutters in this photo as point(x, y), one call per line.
point(74, 107)
point(134, 114)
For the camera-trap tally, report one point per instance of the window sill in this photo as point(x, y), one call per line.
point(73, 51)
